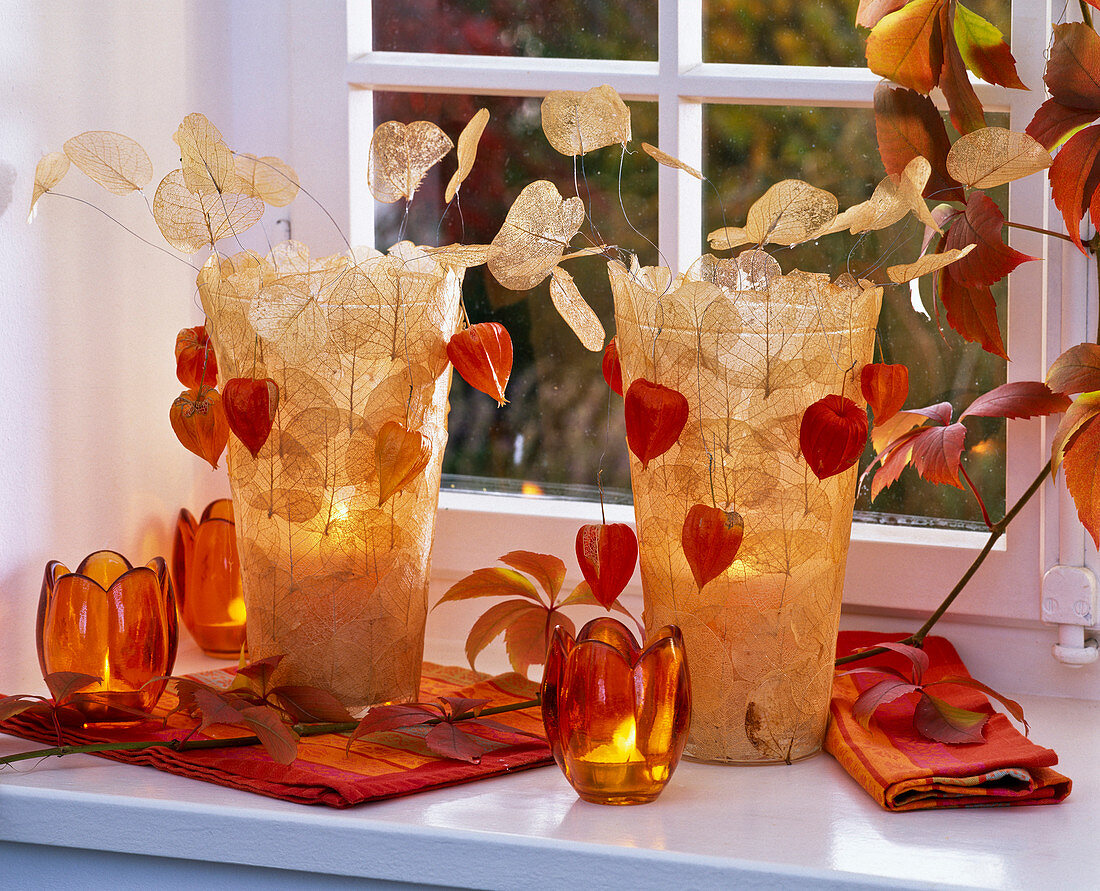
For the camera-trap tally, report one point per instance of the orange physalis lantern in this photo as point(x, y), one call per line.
point(607, 553)
point(199, 422)
point(885, 387)
point(616, 717)
point(711, 538)
point(250, 407)
point(655, 417)
point(612, 370)
point(401, 455)
point(196, 364)
point(482, 354)
point(112, 621)
point(832, 435)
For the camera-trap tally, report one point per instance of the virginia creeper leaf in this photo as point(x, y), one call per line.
point(492, 581)
point(981, 225)
point(1073, 70)
point(1080, 412)
point(546, 569)
point(984, 50)
point(962, 102)
point(1074, 177)
point(494, 621)
point(1017, 399)
point(884, 691)
point(10, 706)
point(1083, 474)
point(259, 672)
point(1053, 122)
point(384, 718)
point(1077, 370)
point(526, 640)
point(452, 742)
point(870, 12)
point(972, 312)
point(937, 452)
point(916, 656)
point(582, 596)
point(1014, 708)
point(63, 684)
point(280, 742)
point(907, 125)
point(310, 705)
point(940, 721)
point(905, 46)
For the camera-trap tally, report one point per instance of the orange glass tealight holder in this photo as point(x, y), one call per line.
point(113, 621)
point(616, 716)
point(207, 571)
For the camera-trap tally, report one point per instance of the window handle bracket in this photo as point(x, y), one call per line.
point(1069, 601)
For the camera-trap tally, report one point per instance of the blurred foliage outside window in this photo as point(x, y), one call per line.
point(560, 427)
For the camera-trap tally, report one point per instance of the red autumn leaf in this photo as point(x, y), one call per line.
point(495, 621)
point(892, 460)
point(492, 581)
point(917, 657)
point(984, 50)
point(278, 740)
point(870, 12)
point(885, 387)
point(199, 422)
point(962, 102)
point(606, 553)
point(972, 312)
point(612, 370)
point(832, 435)
point(981, 224)
point(546, 569)
point(940, 721)
point(1018, 399)
point(908, 124)
point(259, 672)
point(450, 741)
point(937, 453)
point(1053, 122)
point(482, 354)
point(582, 595)
point(1081, 411)
point(1014, 708)
point(63, 684)
point(1077, 370)
point(196, 364)
point(527, 639)
point(655, 417)
point(460, 705)
point(1074, 178)
point(710, 538)
point(384, 718)
point(10, 706)
point(1073, 69)
point(250, 407)
point(906, 47)
point(1083, 474)
point(310, 705)
point(886, 690)
point(401, 454)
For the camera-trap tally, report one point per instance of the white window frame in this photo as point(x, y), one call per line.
point(891, 570)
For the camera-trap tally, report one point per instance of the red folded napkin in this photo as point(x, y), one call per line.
point(903, 771)
point(384, 765)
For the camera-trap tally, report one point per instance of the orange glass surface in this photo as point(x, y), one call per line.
point(113, 621)
point(207, 572)
point(616, 716)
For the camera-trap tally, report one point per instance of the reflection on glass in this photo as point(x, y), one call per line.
point(794, 32)
point(748, 149)
point(560, 425)
point(569, 29)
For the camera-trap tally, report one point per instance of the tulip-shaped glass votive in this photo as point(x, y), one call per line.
point(113, 621)
point(207, 572)
point(616, 717)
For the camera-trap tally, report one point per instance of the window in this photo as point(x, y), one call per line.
point(683, 85)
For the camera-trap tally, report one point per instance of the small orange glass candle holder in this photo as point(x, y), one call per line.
point(207, 572)
point(113, 621)
point(616, 717)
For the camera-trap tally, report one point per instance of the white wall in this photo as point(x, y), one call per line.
point(89, 313)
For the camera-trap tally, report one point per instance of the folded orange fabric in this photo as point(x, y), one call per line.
point(384, 765)
point(903, 771)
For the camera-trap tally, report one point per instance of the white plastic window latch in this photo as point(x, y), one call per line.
point(1069, 601)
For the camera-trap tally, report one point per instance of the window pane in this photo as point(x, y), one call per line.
point(569, 29)
point(796, 32)
point(747, 149)
point(557, 427)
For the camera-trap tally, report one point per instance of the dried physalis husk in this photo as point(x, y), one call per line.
point(250, 407)
point(467, 151)
point(114, 161)
point(400, 455)
point(906, 272)
point(535, 234)
point(993, 156)
point(400, 157)
point(199, 422)
point(50, 171)
point(574, 309)
point(668, 160)
point(267, 178)
point(576, 122)
point(206, 161)
point(190, 222)
point(789, 212)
